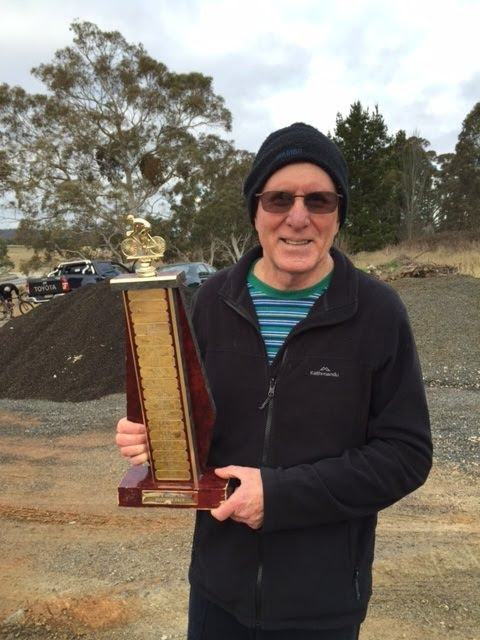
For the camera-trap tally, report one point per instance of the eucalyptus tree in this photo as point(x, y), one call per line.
point(5, 262)
point(210, 220)
point(419, 211)
point(113, 134)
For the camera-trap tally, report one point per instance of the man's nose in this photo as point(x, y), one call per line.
point(298, 216)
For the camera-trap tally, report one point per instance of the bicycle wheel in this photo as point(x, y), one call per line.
point(25, 306)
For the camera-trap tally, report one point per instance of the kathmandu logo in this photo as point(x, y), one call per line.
point(325, 372)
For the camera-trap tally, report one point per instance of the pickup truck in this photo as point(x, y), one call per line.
point(68, 276)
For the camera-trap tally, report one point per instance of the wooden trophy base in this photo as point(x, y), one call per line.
point(139, 489)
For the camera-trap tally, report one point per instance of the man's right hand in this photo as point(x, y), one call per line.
point(132, 439)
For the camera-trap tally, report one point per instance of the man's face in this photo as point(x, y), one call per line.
point(296, 244)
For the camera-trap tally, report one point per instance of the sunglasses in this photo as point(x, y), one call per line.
point(283, 201)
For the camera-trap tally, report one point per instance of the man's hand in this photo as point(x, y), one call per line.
point(246, 502)
point(132, 439)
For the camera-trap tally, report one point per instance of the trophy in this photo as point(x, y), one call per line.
point(165, 386)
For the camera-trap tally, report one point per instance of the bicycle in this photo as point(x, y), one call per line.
point(7, 306)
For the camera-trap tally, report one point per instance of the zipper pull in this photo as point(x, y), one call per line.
point(271, 393)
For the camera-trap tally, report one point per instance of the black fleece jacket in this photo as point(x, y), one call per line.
point(339, 427)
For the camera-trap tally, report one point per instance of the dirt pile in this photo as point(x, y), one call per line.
point(72, 348)
point(404, 267)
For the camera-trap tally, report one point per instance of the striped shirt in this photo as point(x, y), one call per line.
point(279, 311)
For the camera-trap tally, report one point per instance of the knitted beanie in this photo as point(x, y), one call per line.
point(297, 143)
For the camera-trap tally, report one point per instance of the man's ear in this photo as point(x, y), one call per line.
point(254, 221)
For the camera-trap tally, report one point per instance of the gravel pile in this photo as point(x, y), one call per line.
point(445, 316)
point(72, 348)
point(68, 349)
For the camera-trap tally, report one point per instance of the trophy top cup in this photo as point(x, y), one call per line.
point(165, 385)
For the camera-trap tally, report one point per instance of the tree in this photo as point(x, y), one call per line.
point(459, 185)
point(5, 171)
point(113, 135)
point(372, 159)
point(5, 262)
point(418, 172)
point(209, 222)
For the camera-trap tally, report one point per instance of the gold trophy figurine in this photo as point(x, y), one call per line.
point(140, 245)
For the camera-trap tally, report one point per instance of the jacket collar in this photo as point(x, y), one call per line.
point(339, 302)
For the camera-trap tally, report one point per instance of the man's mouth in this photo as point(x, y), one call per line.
point(296, 243)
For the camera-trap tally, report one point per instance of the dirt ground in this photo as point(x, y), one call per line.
point(74, 565)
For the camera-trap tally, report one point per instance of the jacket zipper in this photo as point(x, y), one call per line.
point(356, 580)
point(270, 394)
point(265, 451)
point(269, 424)
point(258, 586)
point(268, 402)
point(266, 440)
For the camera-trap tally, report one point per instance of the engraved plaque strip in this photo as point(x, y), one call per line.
point(163, 394)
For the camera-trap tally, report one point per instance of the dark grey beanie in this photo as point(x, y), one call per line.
point(297, 143)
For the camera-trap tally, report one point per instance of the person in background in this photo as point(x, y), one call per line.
point(6, 291)
point(321, 413)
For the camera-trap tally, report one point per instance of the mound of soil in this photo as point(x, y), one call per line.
point(72, 348)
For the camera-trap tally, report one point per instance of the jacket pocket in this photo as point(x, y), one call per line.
point(316, 576)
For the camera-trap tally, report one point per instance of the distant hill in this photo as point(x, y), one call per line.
point(8, 235)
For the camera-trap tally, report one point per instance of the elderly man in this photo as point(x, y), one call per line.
point(320, 412)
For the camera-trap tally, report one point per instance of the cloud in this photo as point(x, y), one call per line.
point(275, 63)
point(250, 81)
point(470, 89)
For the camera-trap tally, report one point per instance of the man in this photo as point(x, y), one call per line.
point(321, 412)
point(6, 290)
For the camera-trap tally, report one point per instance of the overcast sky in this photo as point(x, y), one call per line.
point(277, 61)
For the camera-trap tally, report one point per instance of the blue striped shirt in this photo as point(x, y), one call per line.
point(279, 311)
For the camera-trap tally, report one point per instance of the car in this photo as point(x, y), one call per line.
point(69, 276)
point(195, 272)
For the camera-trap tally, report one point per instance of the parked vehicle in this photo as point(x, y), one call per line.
point(69, 276)
point(195, 272)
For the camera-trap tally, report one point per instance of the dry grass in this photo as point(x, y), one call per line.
point(464, 255)
point(452, 250)
point(19, 254)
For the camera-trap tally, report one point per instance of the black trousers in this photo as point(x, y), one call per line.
point(207, 621)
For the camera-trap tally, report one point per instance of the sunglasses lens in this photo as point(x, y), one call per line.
point(277, 201)
point(315, 202)
point(321, 201)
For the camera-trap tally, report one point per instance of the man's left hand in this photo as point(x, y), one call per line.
point(246, 502)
